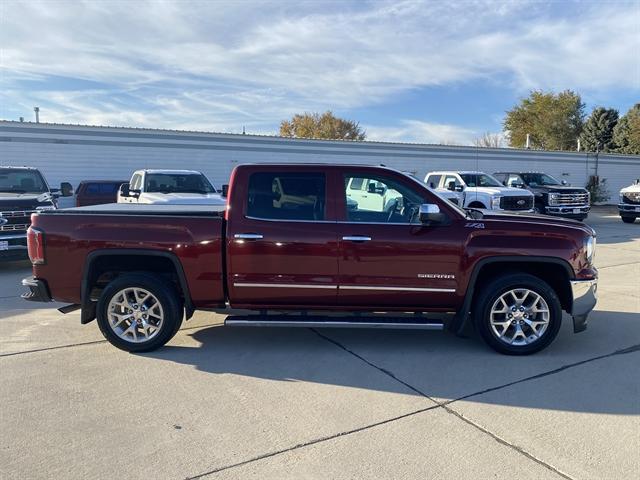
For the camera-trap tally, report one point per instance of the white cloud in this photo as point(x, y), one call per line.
point(416, 131)
point(254, 63)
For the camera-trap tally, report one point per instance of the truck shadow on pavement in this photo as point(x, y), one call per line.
point(591, 372)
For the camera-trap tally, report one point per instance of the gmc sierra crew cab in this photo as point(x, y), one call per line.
point(293, 246)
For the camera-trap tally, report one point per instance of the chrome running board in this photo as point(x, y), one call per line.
point(332, 322)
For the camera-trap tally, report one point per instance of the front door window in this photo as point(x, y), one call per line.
point(380, 199)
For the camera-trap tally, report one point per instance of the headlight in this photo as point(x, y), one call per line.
point(553, 198)
point(495, 202)
point(590, 248)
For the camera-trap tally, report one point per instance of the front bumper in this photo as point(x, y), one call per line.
point(13, 246)
point(568, 211)
point(629, 210)
point(38, 290)
point(585, 296)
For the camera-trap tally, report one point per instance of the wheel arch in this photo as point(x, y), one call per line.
point(477, 204)
point(141, 260)
point(558, 277)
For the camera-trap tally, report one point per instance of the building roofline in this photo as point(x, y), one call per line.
point(14, 123)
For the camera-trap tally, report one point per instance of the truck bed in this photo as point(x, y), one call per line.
point(144, 209)
point(189, 236)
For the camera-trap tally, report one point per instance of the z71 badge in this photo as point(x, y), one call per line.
point(474, 225)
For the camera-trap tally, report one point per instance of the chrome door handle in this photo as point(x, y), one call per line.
point(248, 236)
point(356, 238)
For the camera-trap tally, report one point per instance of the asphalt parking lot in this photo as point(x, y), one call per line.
point(299, 403)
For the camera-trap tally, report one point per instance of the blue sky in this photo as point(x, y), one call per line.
point(416, 71)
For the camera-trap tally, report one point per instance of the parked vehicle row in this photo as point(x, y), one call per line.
point(480, 190)
point(309, 239)
point(506, 190)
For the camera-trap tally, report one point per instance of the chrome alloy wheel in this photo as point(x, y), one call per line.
point(519, 317)
point(135, 315)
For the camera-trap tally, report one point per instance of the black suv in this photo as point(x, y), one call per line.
point(23, 191)
point(552, 197)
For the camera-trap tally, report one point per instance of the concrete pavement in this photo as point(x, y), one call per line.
point(299, 403)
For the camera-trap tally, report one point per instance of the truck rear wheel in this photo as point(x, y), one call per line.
point(518, 314)
point(139, 312)
point(626, 219)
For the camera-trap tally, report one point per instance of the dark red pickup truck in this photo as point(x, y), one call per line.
point(366, 246)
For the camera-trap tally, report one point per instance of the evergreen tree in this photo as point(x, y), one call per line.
point(597, 133)
point(626, 134)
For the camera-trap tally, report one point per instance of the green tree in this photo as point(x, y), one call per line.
point(326, 125)
point(597, 132)
point(626, 134)
point(552, 120)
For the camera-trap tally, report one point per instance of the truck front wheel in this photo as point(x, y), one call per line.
point(518, 314)
point(626, 219)
point(139, 312)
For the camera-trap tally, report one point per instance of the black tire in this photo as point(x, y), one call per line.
point(628, 219)
point(477, 205)
point(494, 290)
point(165, 294)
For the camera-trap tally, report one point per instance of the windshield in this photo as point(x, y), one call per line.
point(21, 181)
point(539, 179)
point(480, 180)
point(178, 183)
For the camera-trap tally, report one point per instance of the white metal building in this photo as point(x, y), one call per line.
point(73, 153)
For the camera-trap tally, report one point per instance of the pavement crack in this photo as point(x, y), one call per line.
point(446, 405)
point(622, 351)
point(618, 265)
point(94, 342)
point(508, 444)
point(312, 442)
point(371, 364)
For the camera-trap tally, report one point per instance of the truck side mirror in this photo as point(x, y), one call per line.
point(430, 214)
point(371, 188)
point(458, 188)
point(564, 182)
point(66, 190)
point(225, 191)
point(451, 186)
point(124, 190)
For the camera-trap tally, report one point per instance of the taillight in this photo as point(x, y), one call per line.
point(35, 245)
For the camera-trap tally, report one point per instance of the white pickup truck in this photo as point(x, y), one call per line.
point(480, 190)
point(629, 206)
point(174, 187)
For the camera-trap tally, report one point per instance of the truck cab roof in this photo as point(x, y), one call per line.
point(169, 171)
point(18, 168)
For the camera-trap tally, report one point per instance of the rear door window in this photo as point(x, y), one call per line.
point(433, 181)
point(450, 178)
point(287, 196)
